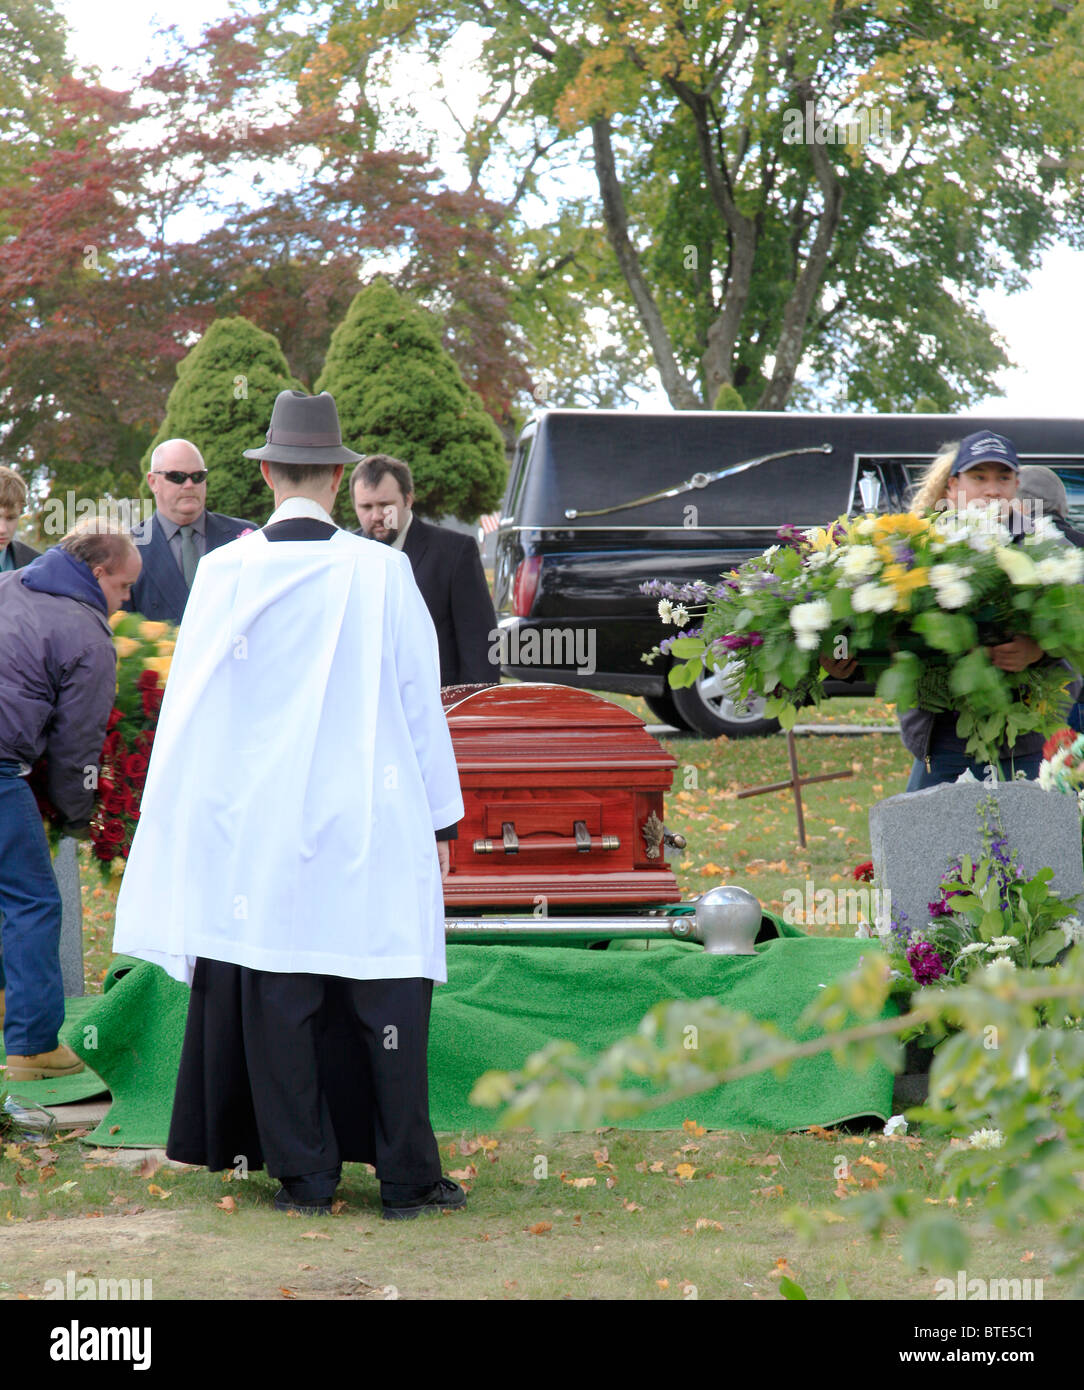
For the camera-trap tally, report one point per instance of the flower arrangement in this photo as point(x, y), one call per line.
point(916, 599)
point(144, 653)
point(987, 912)
point(1062, 768)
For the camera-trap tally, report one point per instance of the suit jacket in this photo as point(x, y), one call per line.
point(303, 528)
point(160, 592)
point(23, 554)
point(448, 570)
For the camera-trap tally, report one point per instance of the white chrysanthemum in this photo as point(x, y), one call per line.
point(873, 598)
point(817, 560)
point(986, 1139)
point(1072, 929)
point(1049, 571)
point(680, 615)
point(1072, 566)
point(811, 617)
point(954, 595)
point(896, 1125)
point(866, 526)
point(1003, 943)
point(999, 968)
point(770, 552)
point(859, 561)
point(947, 574)
point(665, 609)
point(972, 948)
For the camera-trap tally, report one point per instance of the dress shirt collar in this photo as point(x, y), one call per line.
point(295, 507)
point(170, 528)
point(397, 543)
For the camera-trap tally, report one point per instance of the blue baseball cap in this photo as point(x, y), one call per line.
point(985, 447)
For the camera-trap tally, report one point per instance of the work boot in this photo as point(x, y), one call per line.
point(43, 1066)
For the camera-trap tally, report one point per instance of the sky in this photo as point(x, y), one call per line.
point(1040, 326)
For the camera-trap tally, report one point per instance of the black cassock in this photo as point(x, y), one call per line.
point(301, 1073)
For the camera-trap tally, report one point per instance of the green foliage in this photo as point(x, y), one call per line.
point(222, 401)
point(728, 398)
point(399, 392)
point(1006, 1091)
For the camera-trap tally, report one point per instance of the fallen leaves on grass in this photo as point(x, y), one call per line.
point(315, 1235)
point(578, 1182)
point(684, 1171)
point(228, 1205)
point(149, 1167)
point(776, 1190)
point(463, 1174)
point(540, 1228)
point(156, 1191)
point(691, 1127)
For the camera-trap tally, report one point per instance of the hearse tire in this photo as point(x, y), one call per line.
point(666, 712)
point(708, 709)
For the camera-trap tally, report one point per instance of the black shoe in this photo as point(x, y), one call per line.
point(445, 1195)
point(284, 1202)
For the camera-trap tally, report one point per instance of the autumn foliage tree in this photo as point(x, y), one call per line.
point(222, 400)
point(399, 392)
point(782, 183)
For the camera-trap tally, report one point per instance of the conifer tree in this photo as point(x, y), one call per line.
point(399, 392)
point(221, 401)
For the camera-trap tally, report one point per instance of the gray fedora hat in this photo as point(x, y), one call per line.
point(304, 429)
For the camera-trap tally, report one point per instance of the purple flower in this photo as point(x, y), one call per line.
point(926, 965)
point(792, 535)
point(940, 909)
point(734, 641)
point(903, 553)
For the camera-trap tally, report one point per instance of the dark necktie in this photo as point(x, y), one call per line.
point(189, 554)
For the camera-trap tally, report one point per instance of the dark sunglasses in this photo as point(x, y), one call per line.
point(179, 479)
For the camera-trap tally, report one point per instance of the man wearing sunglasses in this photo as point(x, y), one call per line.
point(179, 534)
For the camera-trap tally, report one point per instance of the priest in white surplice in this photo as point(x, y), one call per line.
point(292, 842)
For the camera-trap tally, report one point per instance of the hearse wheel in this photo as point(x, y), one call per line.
point(709, 707)
point(666, 712)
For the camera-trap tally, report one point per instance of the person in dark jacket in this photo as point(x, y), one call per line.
point(447, 568)
point(179, 534)
point(13, 554)
point(57, 683)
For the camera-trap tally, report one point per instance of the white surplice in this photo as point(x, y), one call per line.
point(301, 764)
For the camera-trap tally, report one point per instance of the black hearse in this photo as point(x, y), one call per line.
point(599, 501)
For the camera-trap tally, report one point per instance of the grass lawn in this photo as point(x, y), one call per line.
point(604, 1215)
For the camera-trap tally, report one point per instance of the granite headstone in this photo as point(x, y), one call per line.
point(915, 836)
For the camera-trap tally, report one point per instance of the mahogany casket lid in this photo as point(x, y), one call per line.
point(539, 727)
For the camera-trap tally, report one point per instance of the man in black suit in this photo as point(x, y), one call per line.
point(179, 534)
point(14, 555)
point(447, 568)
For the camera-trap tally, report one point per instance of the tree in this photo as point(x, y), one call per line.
point(222, 401)
point(788, 183)
point(399, 392)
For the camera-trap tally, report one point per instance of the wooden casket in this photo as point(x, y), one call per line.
point(563, 795)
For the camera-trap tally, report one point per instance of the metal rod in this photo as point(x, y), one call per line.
point(792, 754)
point(523, 930)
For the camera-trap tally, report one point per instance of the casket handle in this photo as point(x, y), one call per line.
point(582, 841)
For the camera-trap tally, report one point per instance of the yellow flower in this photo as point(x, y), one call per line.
point(166, 648)
point(152, 631)
point(900, 524)
point(126, 646)
point(116, 866)
point(115, 619)
point(161, 664)
point(905, 581)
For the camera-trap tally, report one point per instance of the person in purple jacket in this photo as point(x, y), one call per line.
point(58, 673)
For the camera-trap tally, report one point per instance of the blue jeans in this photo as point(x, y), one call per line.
point(948, 764)
point(30, 911)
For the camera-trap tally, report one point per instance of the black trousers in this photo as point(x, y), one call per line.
point(304, 1072)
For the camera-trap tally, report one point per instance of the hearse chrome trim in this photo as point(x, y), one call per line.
point(698, 480)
